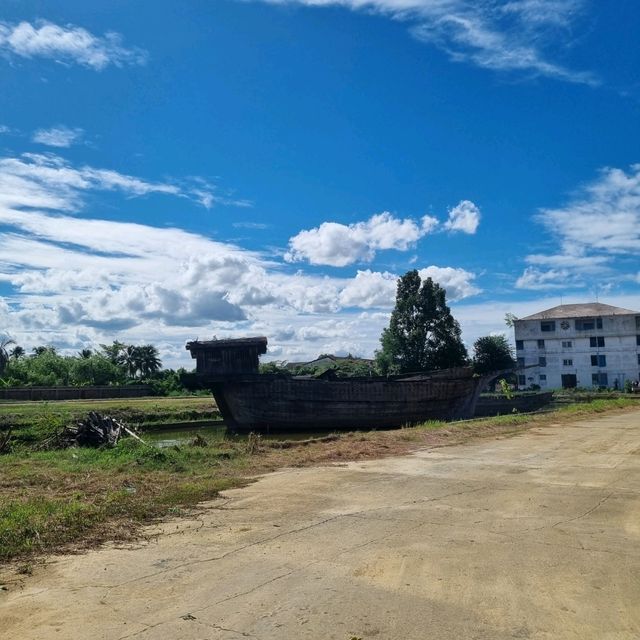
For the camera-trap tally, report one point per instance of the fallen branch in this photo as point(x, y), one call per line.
point(287, 444)
point(132, 434)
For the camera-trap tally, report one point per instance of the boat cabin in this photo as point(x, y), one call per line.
point(235, 356)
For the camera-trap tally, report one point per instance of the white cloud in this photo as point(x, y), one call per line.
point(48, 181)
point(537, 279)
point(251, 225)
point(585, 264)
point(457, 282)
point(464, 217)
point(370, 289)
point(507, 38)
point(603, 216)
point(67, 44)
point(338, 245)
point(598, 226)
point(59, 136)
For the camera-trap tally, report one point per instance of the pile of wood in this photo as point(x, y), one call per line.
point(95, 430)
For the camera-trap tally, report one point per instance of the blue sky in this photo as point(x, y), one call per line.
point(231, 167)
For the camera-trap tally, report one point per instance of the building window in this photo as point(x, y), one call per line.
point(598, 323)
point(638, 341)
point(598, 361)
point(520, 344)
point(542, 361)
point(567, 344)
point(520, 363)
point(522, 381)
point(540, 344)
point(548, 325)
point(599, 379)
point(637, 322)
point(543, 377)
point(597, 341)
point(567, 363)
point(586, 324)
point(639, 358)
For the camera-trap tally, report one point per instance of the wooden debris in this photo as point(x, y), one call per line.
point(96, 430)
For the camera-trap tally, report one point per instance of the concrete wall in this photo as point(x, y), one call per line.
point(621, 351)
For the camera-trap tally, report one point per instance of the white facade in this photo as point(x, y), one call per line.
point(583, 345)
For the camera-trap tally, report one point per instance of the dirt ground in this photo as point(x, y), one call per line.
point(531, 536)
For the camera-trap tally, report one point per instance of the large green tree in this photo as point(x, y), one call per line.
point(422, 334)
point(492, 353)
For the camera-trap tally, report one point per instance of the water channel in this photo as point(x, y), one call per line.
point(212, 431)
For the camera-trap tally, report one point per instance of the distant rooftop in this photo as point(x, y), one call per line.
point(586, 310)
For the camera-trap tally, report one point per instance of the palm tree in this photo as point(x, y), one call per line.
point(130, 360)
point(4, 354)
point(17, 352)
point(114, 352)
point(40, 350)
point(148, 360)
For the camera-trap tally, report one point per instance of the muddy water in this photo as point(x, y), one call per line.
point(213, 432)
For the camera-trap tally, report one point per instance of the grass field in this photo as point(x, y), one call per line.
point(74, 498)
point(31, 420)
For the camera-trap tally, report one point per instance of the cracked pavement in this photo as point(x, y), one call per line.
point(519, 537)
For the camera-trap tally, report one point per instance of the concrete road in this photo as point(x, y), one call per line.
point(533, 536)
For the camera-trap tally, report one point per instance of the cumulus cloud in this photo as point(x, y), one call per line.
point(464, 217)
point(507, 37)
point(67, 44)
point(59, 136)
point(370, 289)
point(338, 245)
point(459, 283)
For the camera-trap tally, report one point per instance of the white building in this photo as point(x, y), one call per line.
point(579, 345)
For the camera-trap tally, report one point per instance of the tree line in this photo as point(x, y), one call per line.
point(112, 364)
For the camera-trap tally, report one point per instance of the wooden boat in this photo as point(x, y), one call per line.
point(251, 401)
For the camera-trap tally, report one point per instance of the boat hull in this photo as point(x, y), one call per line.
point(495, 406)
point(266, 403)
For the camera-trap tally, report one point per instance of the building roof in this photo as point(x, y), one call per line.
point(260, 342)
point(586, 310)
